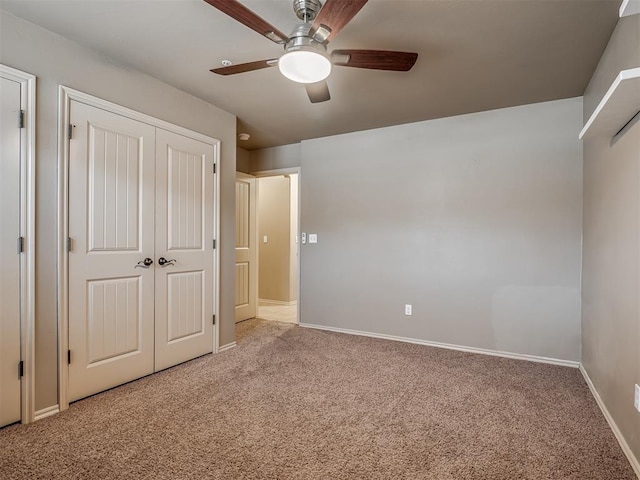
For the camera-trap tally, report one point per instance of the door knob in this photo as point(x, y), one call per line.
point(146, 263)
point(163, 261)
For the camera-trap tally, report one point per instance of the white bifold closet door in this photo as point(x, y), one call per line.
point(9, 256)
point(141, 267)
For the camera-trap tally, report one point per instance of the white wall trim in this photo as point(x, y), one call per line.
point(28, 232)
point(65, 96)
point(616, 431)
point(216, 235)
point(46, 412)
point(448, 346)
point(267, 302)
point(228, 346)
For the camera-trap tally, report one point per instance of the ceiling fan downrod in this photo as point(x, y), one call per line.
point(306, 10)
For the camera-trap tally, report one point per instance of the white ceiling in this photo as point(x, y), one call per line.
point(474, 55)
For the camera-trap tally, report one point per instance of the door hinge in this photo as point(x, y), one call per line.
point(69, 244)
point(214, 243)
point(20, 244)
point(68, 357)
point(214, 319)
point(70, 131)
point(21, 119)
point(21, 369)
point(214, 168)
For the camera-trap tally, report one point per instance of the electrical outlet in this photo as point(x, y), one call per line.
point(408, 309)
point(636, 398)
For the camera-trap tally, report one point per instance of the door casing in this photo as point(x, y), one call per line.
point(27, 231)
point(65, 96)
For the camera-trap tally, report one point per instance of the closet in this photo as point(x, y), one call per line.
point(141, 263)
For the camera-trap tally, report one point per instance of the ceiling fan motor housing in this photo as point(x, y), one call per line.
point(306, 10)
point(300, 40)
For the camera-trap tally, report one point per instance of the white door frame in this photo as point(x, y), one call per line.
point(65, 96)
point(27, 231)
point(277, 173)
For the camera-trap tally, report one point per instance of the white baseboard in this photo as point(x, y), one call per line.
point(267, 302)
point(228, 346)
point(46, 412)
point(461, 348)
point(616, 431)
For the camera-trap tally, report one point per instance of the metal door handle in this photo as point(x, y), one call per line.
point(164, 262)
point(146, 263)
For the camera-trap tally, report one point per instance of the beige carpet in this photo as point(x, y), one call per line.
point(294, 403)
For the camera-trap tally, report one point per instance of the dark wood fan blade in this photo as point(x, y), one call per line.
point(335, 14)
point(242, 14)
point(375, 59)
point(318, 92)
point(245, 67)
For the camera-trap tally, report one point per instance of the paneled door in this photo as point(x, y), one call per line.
point(184, 248)
point(9, 254)
point(112, 232)
point(246, 271)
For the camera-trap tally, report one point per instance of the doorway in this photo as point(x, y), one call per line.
point(277, 206)
point(17, 244)
point(267, 246)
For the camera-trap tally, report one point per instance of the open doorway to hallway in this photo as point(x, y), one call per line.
point(267, 250)
point(277, 216)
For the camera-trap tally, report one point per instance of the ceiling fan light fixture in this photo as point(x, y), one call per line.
point(304, 65)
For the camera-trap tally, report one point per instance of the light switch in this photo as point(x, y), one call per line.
point(313, 238)
point(264, 239)
point(303, 236)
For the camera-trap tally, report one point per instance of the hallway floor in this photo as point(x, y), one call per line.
point(278, 313)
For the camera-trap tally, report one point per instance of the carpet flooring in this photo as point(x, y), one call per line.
point(295, 403)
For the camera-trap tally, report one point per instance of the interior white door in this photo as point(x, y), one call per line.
point(246, 239)
point(111, 226)
point(9, 255)
point(184, 248)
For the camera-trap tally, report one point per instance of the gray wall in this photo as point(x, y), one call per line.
point(611, 258)
point(286, 156)
point(475, 220)
point(242, 160)
point(58, 61)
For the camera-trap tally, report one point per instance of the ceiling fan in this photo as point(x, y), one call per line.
point(306, 59)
